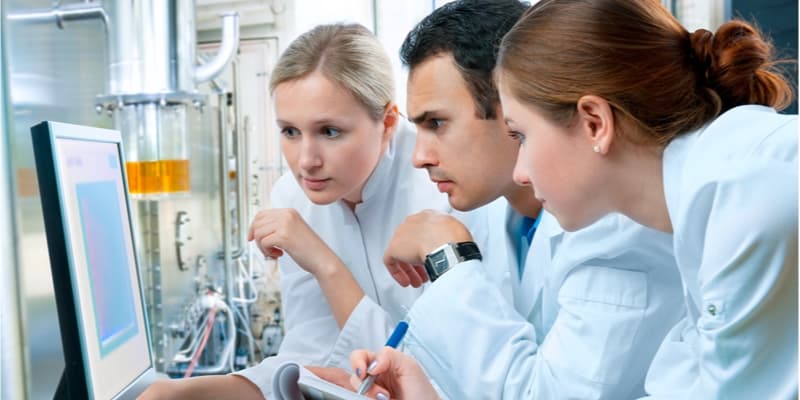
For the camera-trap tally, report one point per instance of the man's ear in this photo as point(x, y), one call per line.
point(596, 122)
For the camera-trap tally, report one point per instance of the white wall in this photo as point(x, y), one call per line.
point(394, 20)
point(309, 13)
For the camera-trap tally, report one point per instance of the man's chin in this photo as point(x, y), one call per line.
point(464, 205)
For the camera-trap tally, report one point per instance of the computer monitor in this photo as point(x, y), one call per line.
point(101, 313)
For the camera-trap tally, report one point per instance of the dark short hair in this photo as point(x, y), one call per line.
point(470, 30)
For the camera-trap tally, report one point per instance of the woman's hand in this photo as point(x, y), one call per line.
point(280, 230)
point(417, 236)
point(398, 375)
point(337, 376)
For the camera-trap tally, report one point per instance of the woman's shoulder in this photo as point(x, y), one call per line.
point(744, 160)
point(618, 241)
point(736, 147)
point(745, 132)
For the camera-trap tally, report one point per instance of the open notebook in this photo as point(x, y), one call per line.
point(293, 382)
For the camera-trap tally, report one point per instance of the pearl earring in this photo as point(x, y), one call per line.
point(596, 148)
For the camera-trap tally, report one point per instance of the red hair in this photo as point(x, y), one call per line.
point(656, 76)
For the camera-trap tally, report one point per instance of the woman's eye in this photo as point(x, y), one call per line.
point(331, 132)
point(517, 136)
point(290, 132)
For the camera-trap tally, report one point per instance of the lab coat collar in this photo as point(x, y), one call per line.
point(537, 263)
point(377, 181)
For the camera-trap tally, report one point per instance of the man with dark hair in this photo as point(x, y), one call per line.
point(453, 29)
point(573, 315)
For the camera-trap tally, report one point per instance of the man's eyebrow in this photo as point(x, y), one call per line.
point(420, 118)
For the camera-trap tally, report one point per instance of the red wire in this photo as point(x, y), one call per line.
point(206, 334)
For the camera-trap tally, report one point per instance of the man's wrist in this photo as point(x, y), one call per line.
point(445, 257)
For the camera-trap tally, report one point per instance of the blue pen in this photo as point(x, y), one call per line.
point(393, 342)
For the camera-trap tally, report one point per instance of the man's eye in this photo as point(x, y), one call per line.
point(435, 123)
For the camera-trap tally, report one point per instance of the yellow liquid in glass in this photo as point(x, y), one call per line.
point(162, 176)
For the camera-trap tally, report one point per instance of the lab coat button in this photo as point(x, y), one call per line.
point(712, 309)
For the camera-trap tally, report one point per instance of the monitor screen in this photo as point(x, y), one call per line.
point(96, 279)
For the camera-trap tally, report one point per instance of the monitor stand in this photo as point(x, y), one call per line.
point(62, 392)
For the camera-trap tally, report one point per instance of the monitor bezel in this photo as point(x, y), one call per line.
point(76, 380)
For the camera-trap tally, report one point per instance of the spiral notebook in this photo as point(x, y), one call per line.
point(293, 382)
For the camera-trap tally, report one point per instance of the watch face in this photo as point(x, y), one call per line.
point(436, 264)
point(439, 262)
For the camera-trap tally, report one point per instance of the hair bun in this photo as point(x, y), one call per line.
point(702, 41)
point(741, 68)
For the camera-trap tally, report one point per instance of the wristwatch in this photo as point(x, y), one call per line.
point(447, 255)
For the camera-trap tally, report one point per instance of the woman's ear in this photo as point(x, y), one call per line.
point(391, 119)
point(596, 121)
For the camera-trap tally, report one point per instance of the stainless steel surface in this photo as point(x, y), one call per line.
point(53, 74)
point(60, 13)
point(151, 46)
point(12, 361)
point(57, 74)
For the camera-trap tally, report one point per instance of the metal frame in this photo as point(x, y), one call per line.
point(12, 360)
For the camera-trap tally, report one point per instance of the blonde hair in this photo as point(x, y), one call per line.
point(348, 54)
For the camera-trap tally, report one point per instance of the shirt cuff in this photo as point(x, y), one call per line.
point(367, 328)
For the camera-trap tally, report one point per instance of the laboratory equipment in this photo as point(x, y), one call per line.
point(93, 261)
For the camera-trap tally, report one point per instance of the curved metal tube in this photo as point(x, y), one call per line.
point(227, 49)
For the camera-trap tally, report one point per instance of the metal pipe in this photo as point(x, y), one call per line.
point(227, 49)
point(59, 14)
point(242, 169)
point(375, 17)
point(12, 358)
point(224, 203)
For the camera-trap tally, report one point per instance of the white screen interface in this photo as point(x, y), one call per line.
point(104, 273)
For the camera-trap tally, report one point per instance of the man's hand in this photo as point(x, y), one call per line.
point(417, 236)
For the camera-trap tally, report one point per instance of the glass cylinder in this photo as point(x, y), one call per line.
point(155, 139)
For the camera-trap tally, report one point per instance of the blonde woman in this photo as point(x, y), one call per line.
point(351, 184)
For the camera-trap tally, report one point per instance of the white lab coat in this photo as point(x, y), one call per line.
point(312, 337)
point(731, 191)
point(583, 323)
